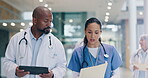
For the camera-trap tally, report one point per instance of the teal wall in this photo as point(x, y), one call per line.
point(4, 38)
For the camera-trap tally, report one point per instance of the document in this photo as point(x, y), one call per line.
point(142, 66)
point(93, 72)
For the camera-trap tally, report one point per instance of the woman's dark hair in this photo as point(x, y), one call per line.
point(89, 21)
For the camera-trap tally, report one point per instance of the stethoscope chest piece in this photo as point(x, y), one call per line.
point(50, 47)
point(106, 55)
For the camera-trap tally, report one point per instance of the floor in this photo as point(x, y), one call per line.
point(125, 73)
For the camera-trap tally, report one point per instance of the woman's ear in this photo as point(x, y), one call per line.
point(85, 32)
point(100, 32)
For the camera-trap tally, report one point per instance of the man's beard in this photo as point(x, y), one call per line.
point(45, 30)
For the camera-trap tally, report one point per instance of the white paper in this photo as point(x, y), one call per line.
point(142, 67)
point(93, 72)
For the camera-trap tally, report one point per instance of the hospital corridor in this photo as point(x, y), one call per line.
point(64, 36)
point(125, 73)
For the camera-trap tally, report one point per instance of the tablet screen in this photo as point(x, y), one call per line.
point(34, 69)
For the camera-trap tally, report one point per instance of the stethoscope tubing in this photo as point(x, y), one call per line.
point(24, 38)
point(26, 43)
point(84, 61)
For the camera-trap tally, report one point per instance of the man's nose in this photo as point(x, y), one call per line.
point(48, 25)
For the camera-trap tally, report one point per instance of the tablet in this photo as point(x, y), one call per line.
point(34, 69)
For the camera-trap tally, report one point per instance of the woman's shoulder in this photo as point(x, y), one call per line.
point(110, 49)
point(79, 48)
point(108, 45)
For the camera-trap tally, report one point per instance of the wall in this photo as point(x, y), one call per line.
point(7, 12)
point(4, 38)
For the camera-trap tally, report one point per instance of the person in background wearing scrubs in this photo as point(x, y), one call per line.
point(36, 46)
point(140, 57)
point(92, 52)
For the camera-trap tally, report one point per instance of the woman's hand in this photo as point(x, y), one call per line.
point(135, 68)
point(20, 73)
point(49, 75)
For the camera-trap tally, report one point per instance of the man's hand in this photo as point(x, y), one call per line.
point(49, 75)
point(20, 73)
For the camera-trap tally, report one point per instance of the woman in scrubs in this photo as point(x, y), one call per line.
point(93, 52)
point(140, 57)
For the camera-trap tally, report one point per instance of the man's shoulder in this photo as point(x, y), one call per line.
point(54, 39)
point(53, 36)
point(19, 34)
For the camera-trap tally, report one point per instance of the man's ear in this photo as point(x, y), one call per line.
point(34, 21)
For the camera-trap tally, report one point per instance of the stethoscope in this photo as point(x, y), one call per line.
point(24, 38)
point(137, 54)
point(86, 63)
point(26, 43)
point(21, 56)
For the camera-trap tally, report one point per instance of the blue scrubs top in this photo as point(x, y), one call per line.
point(79, 60)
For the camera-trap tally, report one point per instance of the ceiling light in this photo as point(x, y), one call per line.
point(70, 20)
point(108, 7)
point(22, 24)
point(21, 30)
point(40, 0)
point(140, 13)
point(110, 4)
point(106, 17)
point(107, 13)
point(106, 20)
point(12, 24)
point(50, 9)
point(46, 5)
point(4, 24)
point(30, 23)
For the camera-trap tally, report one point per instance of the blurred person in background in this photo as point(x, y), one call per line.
point(139, 61)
